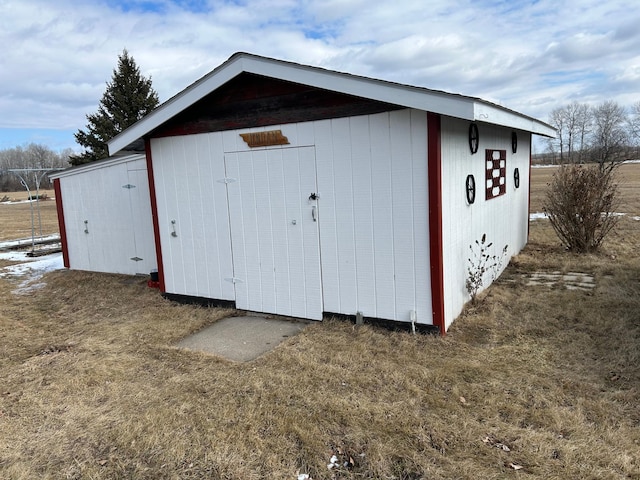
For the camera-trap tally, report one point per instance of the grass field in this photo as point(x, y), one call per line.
point(15, 216)
point(531, 382)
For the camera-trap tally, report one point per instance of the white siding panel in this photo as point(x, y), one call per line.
point(142, 222)
point(274, 234)
point(362, 193)
point(308, 294)
point(219, 259)
point(74, 208)
point(118, 218)
point(198, 258)
point(374, 215)
point(344, 218)
point(382, 211)
point(503, 219)
point(327, 209)
point(422, 268)
point(236, 221)
point(262, 162)
point(402, 200)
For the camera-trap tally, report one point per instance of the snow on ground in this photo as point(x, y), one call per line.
point(27, 241)
point(554, 166)
point(538, 216)
point(29, 270)
point(17, 202)
point(543, 216)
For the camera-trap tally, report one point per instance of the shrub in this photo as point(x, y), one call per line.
point(480, 263)
point(580, 204)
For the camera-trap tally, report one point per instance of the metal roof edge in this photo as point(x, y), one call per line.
point(98, 164)
point(421, 98)
point(498, 115)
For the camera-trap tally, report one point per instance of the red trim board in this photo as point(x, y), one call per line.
point(434, 167)
point(61, 224)
point(529, 188)
point(154, 214)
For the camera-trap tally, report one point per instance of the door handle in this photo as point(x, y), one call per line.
point(314, 213)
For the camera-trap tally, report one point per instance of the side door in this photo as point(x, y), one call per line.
point(273, 212)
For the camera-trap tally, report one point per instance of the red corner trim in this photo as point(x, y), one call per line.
point(434, 164)
point(61, 225)
point(154, 214)
point(529, 186)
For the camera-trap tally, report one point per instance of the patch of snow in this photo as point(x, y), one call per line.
point(27, 241)
point(538, 216)
point(555, 166)
point(17, 202)
point(543, 216)
point(30, 270)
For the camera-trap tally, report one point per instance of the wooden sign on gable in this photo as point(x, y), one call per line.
point(265, 139)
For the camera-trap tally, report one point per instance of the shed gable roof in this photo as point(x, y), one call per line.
point(454, 105)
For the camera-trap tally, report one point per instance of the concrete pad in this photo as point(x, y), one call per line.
point(243, 338)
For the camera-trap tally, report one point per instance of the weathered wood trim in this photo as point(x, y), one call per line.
point(265, 139)
point(154, 215)
point(61, 224)
point(434, 154)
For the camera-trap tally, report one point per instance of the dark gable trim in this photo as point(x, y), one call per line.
point(251, 100)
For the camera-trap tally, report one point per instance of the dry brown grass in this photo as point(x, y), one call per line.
point(15, 218)
point(92, 386)
point(628, 180)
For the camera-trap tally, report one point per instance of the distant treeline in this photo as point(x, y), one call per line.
point(32, 156)
point(605, 133)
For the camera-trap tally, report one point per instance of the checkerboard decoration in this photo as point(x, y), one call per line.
point(496, 173)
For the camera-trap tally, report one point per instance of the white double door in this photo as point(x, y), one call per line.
point(273, 212)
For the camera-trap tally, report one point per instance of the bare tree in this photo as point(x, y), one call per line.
point(573, 124)
point(31, 156)
point(633, 123)
point(557, 120)
point(578, 122)
point(609, 137)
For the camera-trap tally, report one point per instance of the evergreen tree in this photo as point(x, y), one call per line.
point(128, 97)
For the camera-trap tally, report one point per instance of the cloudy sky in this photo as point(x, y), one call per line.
point(531, 56)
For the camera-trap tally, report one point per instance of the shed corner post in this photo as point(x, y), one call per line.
point(61, 225)
point(154, 213)
point(434, 167)
point(529, 185)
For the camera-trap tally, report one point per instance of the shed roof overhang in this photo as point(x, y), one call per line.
point(453, 105)
point(98, 164)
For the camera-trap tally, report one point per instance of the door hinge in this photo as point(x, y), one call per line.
point(233, 280)
point(227, 180)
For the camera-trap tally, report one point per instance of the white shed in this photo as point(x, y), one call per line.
point(104, 213)
point(300, 191)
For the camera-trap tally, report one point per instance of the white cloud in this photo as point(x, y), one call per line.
point(530, 56)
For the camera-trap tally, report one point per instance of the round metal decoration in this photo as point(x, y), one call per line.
point(514, 142)
point(471, 189)
point(516, 178)
point(474, 138)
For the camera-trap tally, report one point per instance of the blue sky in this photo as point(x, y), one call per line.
point(530, 56)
